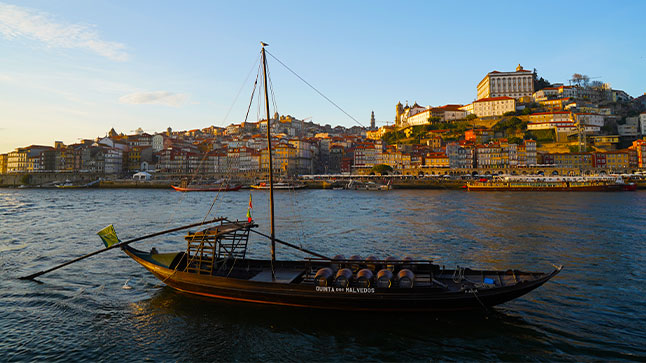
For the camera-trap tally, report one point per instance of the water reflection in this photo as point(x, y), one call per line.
point(251, 331)
point(592, 310)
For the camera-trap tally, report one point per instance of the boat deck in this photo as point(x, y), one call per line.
point(285, 276)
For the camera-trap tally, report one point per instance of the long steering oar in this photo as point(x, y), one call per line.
point(120, 244)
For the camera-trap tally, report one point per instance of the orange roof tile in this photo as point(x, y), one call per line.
point(502, 98)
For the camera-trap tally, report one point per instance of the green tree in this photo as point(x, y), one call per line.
point(434, 119)
point(382, 169)
point(471, 117)
point(540, 83)
point(515, 140)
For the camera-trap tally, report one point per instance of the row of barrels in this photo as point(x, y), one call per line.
point(350, 273)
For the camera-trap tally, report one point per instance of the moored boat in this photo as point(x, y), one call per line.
point(337, 284)
point(265, 186)
point(559, 184)
point(208, 188)
point(217, 186)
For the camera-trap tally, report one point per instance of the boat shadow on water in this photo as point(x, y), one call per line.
point(304, 333)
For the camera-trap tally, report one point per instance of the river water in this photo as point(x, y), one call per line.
point(595, 309)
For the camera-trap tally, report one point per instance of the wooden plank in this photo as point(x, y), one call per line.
point(282, 276)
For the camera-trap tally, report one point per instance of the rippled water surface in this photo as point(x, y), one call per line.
point(594, 310)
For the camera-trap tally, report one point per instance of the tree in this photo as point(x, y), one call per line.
point(471, 117)
point(515, 140)
point(434, 119)
point(540, 83)
point(580, 79)
point(382, 169)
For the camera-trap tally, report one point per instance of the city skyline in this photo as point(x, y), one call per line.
point(78, 69)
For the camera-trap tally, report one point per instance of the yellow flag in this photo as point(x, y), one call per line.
point(108, 235)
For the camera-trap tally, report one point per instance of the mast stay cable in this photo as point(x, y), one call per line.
point(316, 90)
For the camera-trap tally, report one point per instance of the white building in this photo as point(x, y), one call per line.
point(507, 84)
point(494, 106)
point(158, 143)
point(642, 123)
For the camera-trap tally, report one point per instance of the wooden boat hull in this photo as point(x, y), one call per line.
point(278, 187)
point(286, 293)
point(208, 188)
point(564, 188)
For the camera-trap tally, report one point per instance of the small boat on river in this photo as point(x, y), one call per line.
point(207, 188)
point(214, 264)
point(219, 186)
point(266, 186)
point(557, 184)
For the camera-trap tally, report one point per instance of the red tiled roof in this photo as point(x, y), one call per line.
point(451, 107)
point(551, 113)
point(494, 99)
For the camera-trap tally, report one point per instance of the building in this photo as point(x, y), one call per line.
point(555, 104)
point(527, 153)
point(617, 160)
point(379, 133)
point(402, 113)
point(460, 155)
point(507, 84)
point(478, 136)
point(436, 160)
point(494, 106)
point(18, 160)
point(366, 156)
point(3, 163)
point(573, 160)
point(545, 94)
point(630, 128)
point(640, 147)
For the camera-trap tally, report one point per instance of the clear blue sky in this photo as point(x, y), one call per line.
point(74, 69)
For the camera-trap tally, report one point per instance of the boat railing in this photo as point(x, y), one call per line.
point(210, 249)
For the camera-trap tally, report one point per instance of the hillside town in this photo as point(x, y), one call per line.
point(517, 123)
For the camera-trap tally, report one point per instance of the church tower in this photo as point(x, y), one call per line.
point(399, 111)
point(372, 121)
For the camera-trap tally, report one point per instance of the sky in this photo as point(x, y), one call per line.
point(74, 69)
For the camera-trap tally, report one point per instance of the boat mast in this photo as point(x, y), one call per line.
point(271, 169)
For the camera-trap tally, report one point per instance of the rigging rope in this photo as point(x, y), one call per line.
point(314, 88)
point(240, 90)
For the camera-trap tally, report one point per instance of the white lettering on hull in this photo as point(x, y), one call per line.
point(349, 290)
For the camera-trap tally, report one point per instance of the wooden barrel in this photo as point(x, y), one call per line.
point(370, 263)
point(390, 265)
point(343, 277)
point(336, 265)
point(405, 278)
point(323, 276)
point(364, 278)
point(384, 278)
point(355, 263)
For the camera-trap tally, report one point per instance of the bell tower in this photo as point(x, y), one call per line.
point(372, 120)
